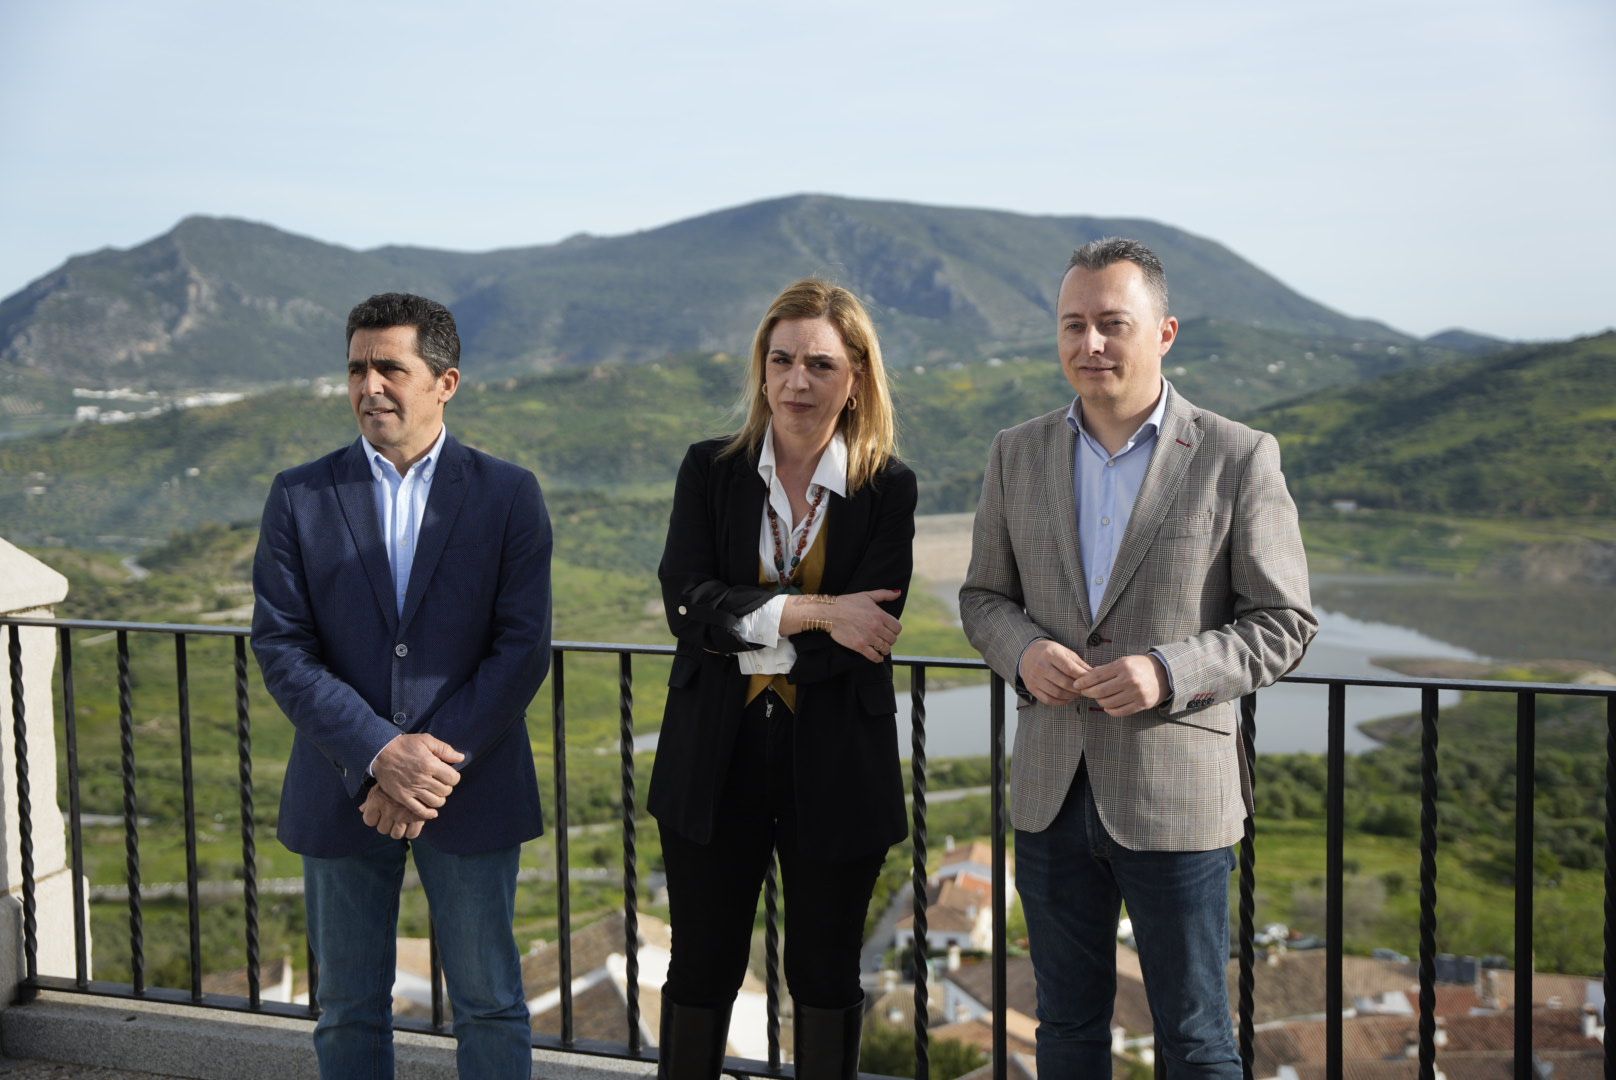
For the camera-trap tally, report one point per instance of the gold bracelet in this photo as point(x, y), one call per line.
point(819, 598)
point(816, 624)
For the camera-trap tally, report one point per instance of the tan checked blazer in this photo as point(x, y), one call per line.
point(1211, 573)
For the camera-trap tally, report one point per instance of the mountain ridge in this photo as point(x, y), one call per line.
point(220, 301)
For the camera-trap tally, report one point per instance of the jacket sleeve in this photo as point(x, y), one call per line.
point(992, 603)
point(1273, 618)
point(886, 563)
point(496, 696)
point(703, 610)
point(323, 708)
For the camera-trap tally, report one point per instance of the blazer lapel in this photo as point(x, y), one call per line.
point(848, 521)
point(1061, 497)
point(442, 507)
point(745, 508)
point(356, 493)
point(1176, 444)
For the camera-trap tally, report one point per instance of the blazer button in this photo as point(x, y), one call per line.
point(401, 650)
point(1095, 639)
point(400, 717)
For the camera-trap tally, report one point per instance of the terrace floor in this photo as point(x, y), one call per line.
point(11, 1069)
point(82, 1037)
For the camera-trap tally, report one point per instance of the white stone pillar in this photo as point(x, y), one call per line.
point(29, 587)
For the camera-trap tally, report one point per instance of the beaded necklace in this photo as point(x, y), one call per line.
point(784, 575)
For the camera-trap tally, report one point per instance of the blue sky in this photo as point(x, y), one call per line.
point(1429, 164)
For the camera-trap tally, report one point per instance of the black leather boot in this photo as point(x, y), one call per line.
point(692, 1043)
point(826, 1041)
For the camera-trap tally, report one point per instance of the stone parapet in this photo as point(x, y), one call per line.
point(29, 587)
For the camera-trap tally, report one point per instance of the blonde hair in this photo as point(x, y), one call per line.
point(870, 430)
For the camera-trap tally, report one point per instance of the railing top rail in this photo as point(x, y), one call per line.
point(1484, 686)
point(212, 629)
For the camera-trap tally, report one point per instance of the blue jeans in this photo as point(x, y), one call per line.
point(353, 922)
point(1072, 878)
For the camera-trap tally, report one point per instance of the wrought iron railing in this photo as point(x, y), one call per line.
point(1526, 695)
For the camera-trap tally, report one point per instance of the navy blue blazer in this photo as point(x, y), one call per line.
point(462, 662)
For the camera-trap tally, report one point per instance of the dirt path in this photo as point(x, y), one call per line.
point(942, 554)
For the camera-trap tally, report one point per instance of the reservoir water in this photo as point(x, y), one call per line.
point(1289, 718)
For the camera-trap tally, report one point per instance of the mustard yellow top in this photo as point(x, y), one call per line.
point(812, 569)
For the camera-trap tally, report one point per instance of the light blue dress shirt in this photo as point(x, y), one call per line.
point(1106, 486)
point(400, 506)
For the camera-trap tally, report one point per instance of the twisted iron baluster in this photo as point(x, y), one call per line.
point(249, 846)
point(1428, 822)
point(1610, 867)
point(314, 978)
point(771, 960)
point(131, 819)
point(1525, 809)
point(917, 766)
point(25, 809)
point(1335, 875)
point(1001, 1049)
point(631, 918)
point(1248, 894)
point(434, 962)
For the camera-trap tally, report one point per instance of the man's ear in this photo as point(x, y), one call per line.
point(1169, 334)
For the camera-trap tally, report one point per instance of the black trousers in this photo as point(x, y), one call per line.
point(713, 888)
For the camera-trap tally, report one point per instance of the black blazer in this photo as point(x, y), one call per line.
point(849, 789)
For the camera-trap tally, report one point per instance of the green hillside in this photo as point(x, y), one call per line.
point(1531, 432)
point(611, 428)
point(220, 302)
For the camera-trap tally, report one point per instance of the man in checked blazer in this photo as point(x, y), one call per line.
point(1136, 568)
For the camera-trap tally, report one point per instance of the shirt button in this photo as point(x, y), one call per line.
point(1099, 581)
point(401, 650)
point(683, 610)
point(1105, 521)
point(1110, 464)
point(400, 717)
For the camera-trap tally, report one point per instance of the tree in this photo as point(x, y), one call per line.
point(891, 1050)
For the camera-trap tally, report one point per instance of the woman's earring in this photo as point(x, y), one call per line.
point(852, 404)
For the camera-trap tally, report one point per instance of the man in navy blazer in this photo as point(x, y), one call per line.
point(402, 622)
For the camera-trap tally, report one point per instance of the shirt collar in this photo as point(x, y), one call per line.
point(1151, 426)
point(830, 474)
point(382, 469)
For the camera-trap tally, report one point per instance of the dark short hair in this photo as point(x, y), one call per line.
point(436, 338)
point(1099, 254)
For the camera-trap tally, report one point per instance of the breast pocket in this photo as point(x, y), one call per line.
point(1187, 523)
point(1183, 552)
point(468, 574)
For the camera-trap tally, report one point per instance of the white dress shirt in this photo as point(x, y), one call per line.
point(762, 626)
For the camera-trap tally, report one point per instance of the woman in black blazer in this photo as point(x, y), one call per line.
point(784, 573)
